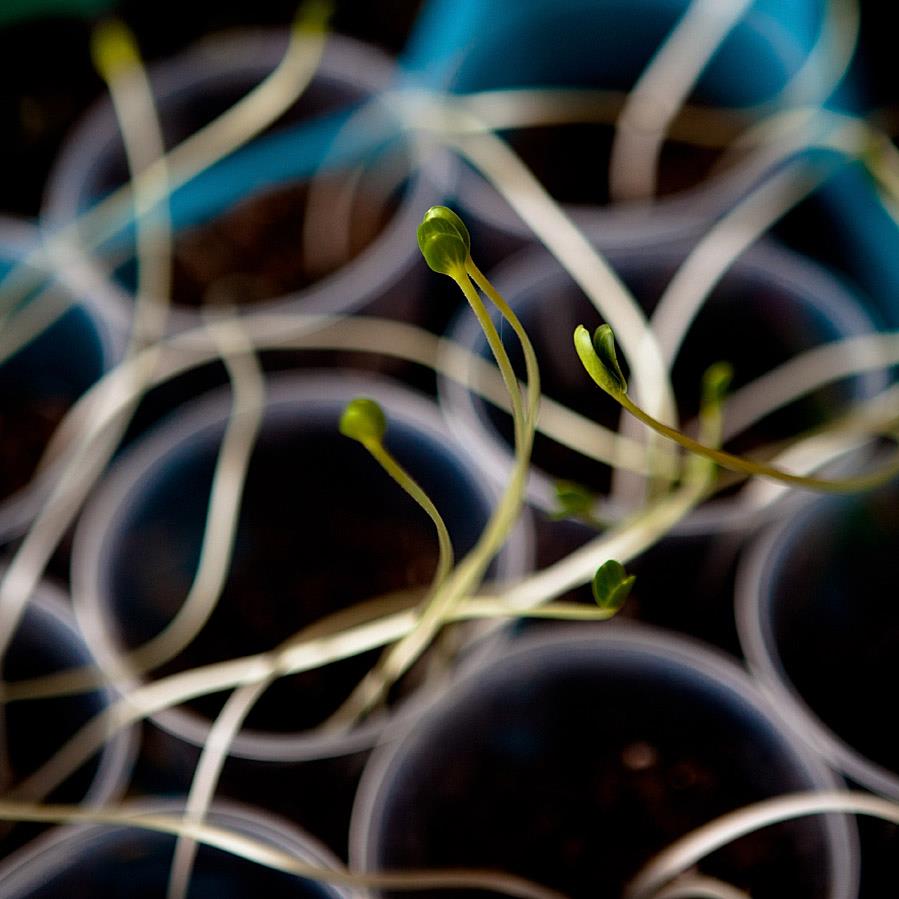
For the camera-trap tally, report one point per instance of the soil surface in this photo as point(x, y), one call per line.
point(26, 425)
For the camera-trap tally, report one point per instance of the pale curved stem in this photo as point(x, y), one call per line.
point(265, 854)
point(202, 789)
point(829, 59)
point(457, 127)
point(695, 886)
point(248, 385)
point(692, 848)
point(243, 121)
point(133, 103)
point(661, 90)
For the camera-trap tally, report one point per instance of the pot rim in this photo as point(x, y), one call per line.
point(526, 271)
point(285, 392)
point(250, 56)
point(755, 630)
point(28, 867)
point(119, 752)
point(709, 666)
point(17, 238)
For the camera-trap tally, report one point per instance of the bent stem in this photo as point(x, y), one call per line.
point(367, 425)
point(605, 378)
point(262, 853)
point(692, 848)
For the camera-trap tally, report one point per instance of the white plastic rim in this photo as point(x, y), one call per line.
point(56, 624)
point(17, 238)
point(754, 610)
point(293, 393)
point(565, 646)
point(30, 867)
point(245, 59)
point(669, 217)
point(527, 271)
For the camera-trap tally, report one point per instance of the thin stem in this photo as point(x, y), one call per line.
point(269, 856)
point(727, 460)
point(374, 686)
point(687, 851)
point(499, 352)
point(241, 122)
point(661, 90)
point(439, 606)
point(386, 460)
point(530, 357)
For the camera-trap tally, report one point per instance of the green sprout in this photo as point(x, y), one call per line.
point(575, 501)
point(364, 420)
point(444, 241)
point(446, 247)
point(612, 586)
point(597, 354)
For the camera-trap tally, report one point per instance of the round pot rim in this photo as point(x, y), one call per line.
point(287, 391)
point(119, 752)
point(686, 211)
point(345, 61)
point(756, 634)
point(710, 666)
point(30, 863)
point(19, 508)
point(530, 268)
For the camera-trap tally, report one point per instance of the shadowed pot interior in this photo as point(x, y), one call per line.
point(46, 641)
point(95, 861)
point(769, 307)
point(39, 383)
point(321, 527)
point(818, 622)
point(575, 757)
point(312, 216)
point(605, 47)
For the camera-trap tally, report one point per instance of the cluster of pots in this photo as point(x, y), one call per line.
point(753, 659)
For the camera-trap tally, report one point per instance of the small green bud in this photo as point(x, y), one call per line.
point(363, 420)
point(113, 49)
point(597, 354)
point(612, 585)
point(574, 500)
point(715, 383)
point(444, 241)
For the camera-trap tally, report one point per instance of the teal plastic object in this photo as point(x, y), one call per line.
point(470, 45)
point(18, 10)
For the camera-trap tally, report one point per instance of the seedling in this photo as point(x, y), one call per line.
point(575, 501)
point(612, 586)
point(364, 420)
point(597, 354)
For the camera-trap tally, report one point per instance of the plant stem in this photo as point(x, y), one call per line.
point(727, 460)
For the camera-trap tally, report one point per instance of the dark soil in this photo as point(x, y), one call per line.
point(255, 251)
point(322, 528)
point(137, 865)
point(836, 624)
point(572, 162)
point(748, 322)
point(36, 729)
point(26, 425)
point(574, 782)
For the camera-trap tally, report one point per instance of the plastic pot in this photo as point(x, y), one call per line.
point(48, 641)
point(770, 306)
point(106, 862)
point(819, 628)
point(477, 46)
point(321, 527)
point(240, 222)
point(37, 386)
point(580, 753)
